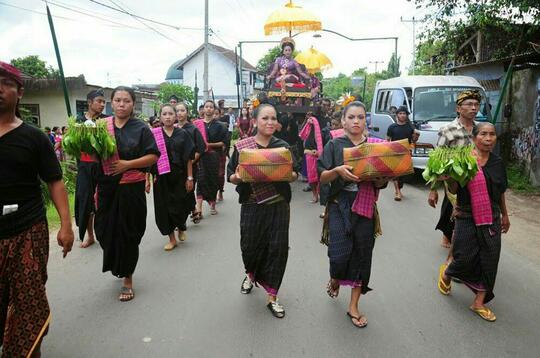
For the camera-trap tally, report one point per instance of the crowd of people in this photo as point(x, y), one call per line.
point(182, 159)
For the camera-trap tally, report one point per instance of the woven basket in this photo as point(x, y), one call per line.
point(375, 160)
point(265, 165)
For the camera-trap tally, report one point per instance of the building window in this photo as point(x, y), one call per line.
point(30, 112)
point(81, 107)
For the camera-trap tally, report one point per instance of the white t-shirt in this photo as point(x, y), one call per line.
point(232, 122)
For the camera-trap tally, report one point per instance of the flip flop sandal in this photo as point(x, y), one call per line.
point(358, 319)
point(213, 212)
point(443, 287)
point(247, 286)
point(127, 294)
point(397, 197)
point(333, 293)
point(169, 247)
point(485, 313)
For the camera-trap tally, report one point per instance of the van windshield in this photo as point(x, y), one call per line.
point(439, 104)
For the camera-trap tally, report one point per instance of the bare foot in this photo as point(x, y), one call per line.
point(445, 242)
point(89, 241)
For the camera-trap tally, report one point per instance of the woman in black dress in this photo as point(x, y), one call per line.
point(264, 216)
point(120, 220)
point(352, 214)
point(477, 241)
point(182, 114)
point(215, 135)
point(171, 188)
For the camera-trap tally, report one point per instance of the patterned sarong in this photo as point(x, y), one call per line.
point(24, 309)
point(311, 160)
point(163, 165)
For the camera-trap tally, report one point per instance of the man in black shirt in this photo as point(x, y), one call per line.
point(26, 155)
point(401, 129)
point(87, 171)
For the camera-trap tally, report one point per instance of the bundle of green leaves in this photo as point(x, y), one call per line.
point(91, 139)
point(457, 163)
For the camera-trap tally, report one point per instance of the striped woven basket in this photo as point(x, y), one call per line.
point(265, 165)
point(375, 160)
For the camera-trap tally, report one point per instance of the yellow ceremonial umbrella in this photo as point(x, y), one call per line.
point(289, 18)
point(314, 60)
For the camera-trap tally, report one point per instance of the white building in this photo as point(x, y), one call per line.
point(44, 99)
point(221, 74)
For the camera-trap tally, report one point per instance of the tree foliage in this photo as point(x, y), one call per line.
point(35, 67)
point(184, 93)
point(264, 63)
point(505, 25)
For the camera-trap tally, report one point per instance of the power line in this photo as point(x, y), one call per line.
point(145, 24)
point(88, 14)
point(144, 18)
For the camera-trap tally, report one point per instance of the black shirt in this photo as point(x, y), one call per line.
point(196, 137)
point(180, 148)
point(26, 156)
point(400, 131)
point(244, 189)
point(495, 174)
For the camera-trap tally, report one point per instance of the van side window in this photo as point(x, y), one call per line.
point(389, 98)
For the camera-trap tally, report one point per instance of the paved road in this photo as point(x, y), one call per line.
point(188, 302)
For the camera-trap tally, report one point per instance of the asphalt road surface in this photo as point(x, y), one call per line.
point(188, 302)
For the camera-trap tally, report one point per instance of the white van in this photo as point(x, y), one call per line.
point(431, 100)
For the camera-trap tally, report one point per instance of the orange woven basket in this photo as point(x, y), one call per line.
point(384, 159)
point(265, 165)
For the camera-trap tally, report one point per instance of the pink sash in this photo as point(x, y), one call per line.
point(306, 131)
point(131, 176)
point(311, 160)
point(107, 163)
point(364, 203)
point(199, 123)
point(336, 133)
point(480, 202)
point(163, 165)
point(264, 192)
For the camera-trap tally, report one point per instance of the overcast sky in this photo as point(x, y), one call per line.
point(129, 52)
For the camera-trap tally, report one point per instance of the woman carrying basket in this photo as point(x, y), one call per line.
point(352, 213)
point(264, 215)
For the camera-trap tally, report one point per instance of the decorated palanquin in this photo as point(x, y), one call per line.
point(265, 165)
point(383, 159)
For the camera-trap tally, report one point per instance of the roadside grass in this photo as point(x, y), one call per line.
point(519, 181)
point(52, 216)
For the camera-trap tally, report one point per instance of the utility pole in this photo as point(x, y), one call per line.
point(205, 74)
point(413, 21)
point(376, 63)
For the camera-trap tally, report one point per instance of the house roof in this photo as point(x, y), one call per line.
point(230, 55)
point(39, 84)
point(526, 59)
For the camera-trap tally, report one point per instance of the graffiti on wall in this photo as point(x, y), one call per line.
point(526, 142)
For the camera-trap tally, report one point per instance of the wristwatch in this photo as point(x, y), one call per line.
point(190, 178)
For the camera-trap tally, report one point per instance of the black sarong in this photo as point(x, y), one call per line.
point(120, 224)
point(170, 201)
point(351, 243)
point(208, 182)
point(264, 232)
point(476, 252)
point(84, 194)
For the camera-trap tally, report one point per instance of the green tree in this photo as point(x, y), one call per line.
point(334, 87)
point(35, 67)
point(393, 65)
point(268, 59)
point(166, 90)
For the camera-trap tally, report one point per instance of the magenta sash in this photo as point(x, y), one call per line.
point(163, 165)
point(480, 202)
point(107, 163)
point(306, 131)
point(199, 123)
point(367, 195)
point(336, 133)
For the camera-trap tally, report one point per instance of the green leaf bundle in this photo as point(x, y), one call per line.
point(94, 140)
point(456, 162)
